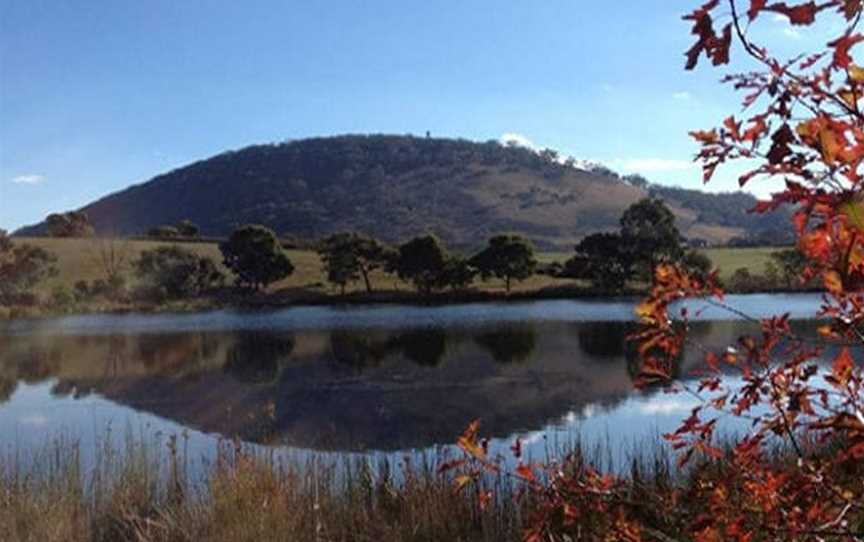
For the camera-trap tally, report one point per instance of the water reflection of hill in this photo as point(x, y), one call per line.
point(346, 389)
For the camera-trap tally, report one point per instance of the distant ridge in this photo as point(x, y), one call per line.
point(394, 187)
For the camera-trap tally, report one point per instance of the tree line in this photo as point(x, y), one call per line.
point(255, 257)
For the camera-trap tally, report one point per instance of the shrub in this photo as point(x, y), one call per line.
point(22, 267)
point(174, 272)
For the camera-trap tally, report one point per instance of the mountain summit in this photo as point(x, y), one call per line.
point(394, 187)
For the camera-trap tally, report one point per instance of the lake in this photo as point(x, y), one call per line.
point(356, 381)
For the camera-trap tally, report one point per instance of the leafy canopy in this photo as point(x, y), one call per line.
point(350, 256)
point(423, 261)
point(256, 258)
point(507, 257)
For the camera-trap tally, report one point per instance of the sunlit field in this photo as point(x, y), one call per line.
point(79, 259)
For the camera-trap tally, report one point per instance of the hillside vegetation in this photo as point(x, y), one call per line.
point(395, 187)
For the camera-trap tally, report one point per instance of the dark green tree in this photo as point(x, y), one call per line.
point(176, 272)
point(423, 261)
point(256, 258)
point(697, 263)
point(458, 273)
point(22, 266)
point(347, 256)
point(187, 228)
point(605, 262)
point(163, 232)
point(507, 257)
point(792, 264)
point(649, 234)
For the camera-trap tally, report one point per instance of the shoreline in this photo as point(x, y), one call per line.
point(278, 300)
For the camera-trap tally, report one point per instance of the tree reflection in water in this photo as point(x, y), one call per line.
point(255, 356)
point(511, 344)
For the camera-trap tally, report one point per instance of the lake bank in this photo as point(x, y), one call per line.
point(229, 299)
point(78, 261)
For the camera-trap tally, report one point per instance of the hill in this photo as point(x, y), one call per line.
point(394, 187)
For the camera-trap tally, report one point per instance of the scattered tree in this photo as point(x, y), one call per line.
point(71, 224)
point(507, 257)
point(347, 256)
point(163, 232)
point(697, 263)
point(422, 261)
point(649, 234)
point(187, 228)
point(605, 261)
point(458, 273)
point(256, 258)
point(791, 264)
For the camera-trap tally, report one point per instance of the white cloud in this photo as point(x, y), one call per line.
point(28, 179)
point(683, 95)
point(520, 140)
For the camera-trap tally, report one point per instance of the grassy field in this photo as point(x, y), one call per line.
point(730, 259)
point(80, 259)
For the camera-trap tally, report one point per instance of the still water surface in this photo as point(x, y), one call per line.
point(370, 381)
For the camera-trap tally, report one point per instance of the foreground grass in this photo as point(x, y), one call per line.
point(146, 491)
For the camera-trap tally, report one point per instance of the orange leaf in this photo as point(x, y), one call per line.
point(462, 481)
point(842, 367)
point(833, 282)
point(525, 472)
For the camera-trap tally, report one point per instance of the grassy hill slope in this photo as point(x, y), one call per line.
point(394, 187)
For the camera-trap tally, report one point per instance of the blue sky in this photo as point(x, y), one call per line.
point(98, 95)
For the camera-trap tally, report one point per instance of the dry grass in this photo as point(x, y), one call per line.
point(79, 259)
point(147, 492)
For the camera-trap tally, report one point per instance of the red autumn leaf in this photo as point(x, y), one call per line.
point(841, 46)
point(802, 14)
point(781, 139)
point(755, 7)
point(850, 8)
